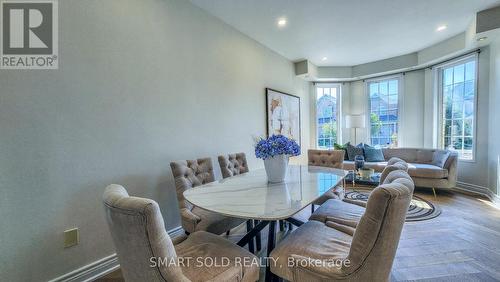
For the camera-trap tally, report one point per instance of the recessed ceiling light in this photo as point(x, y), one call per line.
point(282, 22)
point(482, 38)
point(324, 58)
point(441, 28)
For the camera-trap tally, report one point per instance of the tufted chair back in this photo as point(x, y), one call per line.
point(233, 164)
point(392, 165)
point(377, 234)
point(326, 158)
point(138, 232)
point(189, 174)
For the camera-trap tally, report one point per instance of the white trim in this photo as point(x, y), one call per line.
point(479, 190)
point(101, 267)
point(472, 188)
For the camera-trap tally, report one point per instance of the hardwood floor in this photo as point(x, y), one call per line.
point(462, 244)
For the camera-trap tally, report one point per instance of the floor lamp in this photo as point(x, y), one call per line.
point(355, 121)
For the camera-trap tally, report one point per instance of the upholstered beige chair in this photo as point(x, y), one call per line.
point(233, 164)
point(352, 210)
point(192, 173)
point(146, 252)
point(326, 158)
point(345, 251)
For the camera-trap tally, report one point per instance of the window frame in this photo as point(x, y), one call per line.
point(399, 78)
point(440, 100)
point(339, 112)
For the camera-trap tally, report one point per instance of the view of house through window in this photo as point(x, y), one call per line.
point(384, 112)
point(457, 92)
point(327, 113)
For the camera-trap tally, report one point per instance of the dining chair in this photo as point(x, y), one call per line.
point(233, 164)
point(191, 173)
point(364, 252)
point(326, 158)
point(352, 210)
point(147, 253)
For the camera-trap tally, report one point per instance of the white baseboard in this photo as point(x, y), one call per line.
point(101, 267)
point(477, 189)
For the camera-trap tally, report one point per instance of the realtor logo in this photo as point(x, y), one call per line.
point(28, 34)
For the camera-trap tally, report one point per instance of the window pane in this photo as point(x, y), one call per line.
point(458, 108)
point(468, 109)
point(393, 87)
point(467, 143)
point(447, 142)
point(458, 91)
point(393, 101)
point(320, 92)
point(469, 90)
point(470, 71)
point(457, 143)
point(468, 127)
point(458, 73)
point(448, 76)
point(384, 89)
point(447, 127)
point(447, 107)
point(456, 129)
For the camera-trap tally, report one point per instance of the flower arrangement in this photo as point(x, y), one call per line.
point(276, 145)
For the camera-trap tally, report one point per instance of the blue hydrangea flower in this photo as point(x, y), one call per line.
point(276, 145)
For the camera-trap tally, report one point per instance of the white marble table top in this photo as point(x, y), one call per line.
point(249, 195)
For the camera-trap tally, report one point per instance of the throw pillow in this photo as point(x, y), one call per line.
point(353, 151)
point(440, 157)
point(373, 154)
point(341, 147)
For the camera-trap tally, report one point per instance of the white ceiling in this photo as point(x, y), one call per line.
point(346, 32)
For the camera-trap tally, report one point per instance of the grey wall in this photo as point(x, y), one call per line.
point(140, 83)
point(494, 117)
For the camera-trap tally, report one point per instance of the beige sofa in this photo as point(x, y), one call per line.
point(432, 168)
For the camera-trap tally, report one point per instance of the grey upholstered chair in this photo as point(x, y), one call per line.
point(142, 244)
point(349, 209)
point(233, 164)
point(326, 158)
point(192, 173)
point(368, 246)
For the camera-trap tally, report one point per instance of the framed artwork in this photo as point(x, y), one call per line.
point(283, 114)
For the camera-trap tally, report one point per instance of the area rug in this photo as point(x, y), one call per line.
point(420, 209)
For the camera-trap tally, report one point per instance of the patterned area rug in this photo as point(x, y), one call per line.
point(420, 209)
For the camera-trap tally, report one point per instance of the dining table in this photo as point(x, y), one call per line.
point(250, 196)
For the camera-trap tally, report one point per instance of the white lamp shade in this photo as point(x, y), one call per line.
point(355, 121)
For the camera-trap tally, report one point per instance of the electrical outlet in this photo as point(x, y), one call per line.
point(71, 237)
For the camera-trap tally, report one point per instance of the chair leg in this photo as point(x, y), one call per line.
point(250, 242)
point(312, 208)
point(227, 232)
point(282, 225)
point(434, 191)
point(258, 241)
